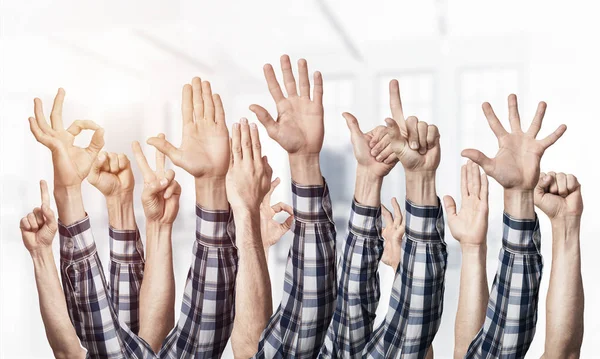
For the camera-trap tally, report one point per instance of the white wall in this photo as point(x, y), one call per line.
point(123, 66)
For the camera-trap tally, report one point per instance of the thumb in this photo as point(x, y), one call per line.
point(478, 157)
point(352, 123)
point(97, 167)
point(265, 118)
point(97, 141)
point(450, 206)
point(395, 134)
point(164, 146)
point(542, 187)
point(388, 220)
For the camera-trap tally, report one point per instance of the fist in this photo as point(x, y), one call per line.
point(111, 174)
point(249, 177)
point(39, 227)
point(559, 195)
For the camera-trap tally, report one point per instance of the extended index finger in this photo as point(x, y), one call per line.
point(160, 159)
point(142, 162)
point(44, 192)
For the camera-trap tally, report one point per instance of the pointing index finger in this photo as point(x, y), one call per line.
point(44, 193)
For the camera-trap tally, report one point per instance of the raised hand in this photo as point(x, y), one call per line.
point(469, 226)
point(204, 150)
point(271, 230)
point(362, 151)
point(160, 197)
point(392, 234)
point(249, 176)
point(111, 174)
point(299, 127)
point(39, 227)
point(414, 143)
point(558, 195)
point(71, 163)
point(517, 163)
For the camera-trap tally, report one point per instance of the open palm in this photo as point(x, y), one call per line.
point(517, 163)
point(299, 127)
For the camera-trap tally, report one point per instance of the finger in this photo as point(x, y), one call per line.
point(160, 159)
point(400, 142)
point(113, 162)
point(484, 192)
point(33, 224)
point(173, 189)
point(274, 185)
point(478, 157)
point(303, 78)
point(97, 167)
point(318, 87)
point(287, 224)
point(470, 180)
point(433, 135)
point(385, 154)
point(38, 110)
point(246, 141)
point(39, 216)
point(513, 113)
point(388, 220)
point(553, 137)
point(123, 161)
point(572, 183)
point(553, 188)
point(39, 135)
point(49, 217)
point(413, 132)
point(450, 206)
point(422, 133)
point(391, 159)
point(397, 210)
point(272, 83)
point(278, 207)
point(79, 125)
point(164, 146)
point(56, 114)
point(219, 110)
point(383, 143)
point(536, 124)
point(288, 76)
point(169, 175)
point(236, 142)
point(24, 224)
point(209, 106)
point(97, 141)
point(493, 120)
point(561, 182)
point(376, 135)
point(541, 187)
point(142, 162)
point(352, 124)
point(267, 167)
point(265, 118)
point(44, 193)
point(476, 179)
point(256, 146)
point(396, 101)
point(197, 100)
point(464, 188)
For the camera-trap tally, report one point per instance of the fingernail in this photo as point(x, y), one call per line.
point(414, 145)
point(163, 182)
point(253, 126)
point(244, 120)
point(378, 158)
point(101, 157)
point(236, 125)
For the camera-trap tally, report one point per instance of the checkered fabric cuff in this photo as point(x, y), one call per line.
point(365, 221)
point(215, 228)
point(76, 240)
point(311, 203)
point(126, 246)
point(424, 223)
point(521, 236)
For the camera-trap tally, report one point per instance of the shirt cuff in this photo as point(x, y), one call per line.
point(215, 228)
point(521, 236)
point(76, 241)
point(424, 223)
point(311, 203)
point(365, 221)
point(125, 246)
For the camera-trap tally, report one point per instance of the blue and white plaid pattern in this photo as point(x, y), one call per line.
point(299, 326)
point(126, 269)
point(88, 300)
point(207, 311)
point(358, 285)
point(416, 303)
point(511, 313)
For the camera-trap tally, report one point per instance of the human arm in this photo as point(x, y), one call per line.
point(558, 195)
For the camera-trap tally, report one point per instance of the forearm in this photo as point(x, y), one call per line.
point(253, 290)
point(69, 204)
point(59, 330)
point(472, 299)
point(367, 190)
point(157, 293)
point(306, 169)
point(211, 193)
point(421, 189)
point(565, 300)
point(121, 215)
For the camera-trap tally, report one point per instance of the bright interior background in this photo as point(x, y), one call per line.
point(123, 65)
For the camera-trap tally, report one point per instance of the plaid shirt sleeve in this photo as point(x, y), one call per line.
point(358, 287)
point(298, 327)
point(126, 269)
point(511, 313)
point(88, 299)
point(207, 311)
point(416, 303)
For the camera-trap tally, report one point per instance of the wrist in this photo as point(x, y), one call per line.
point(474, 250)
point(42, 256)
point(368, 187)
point(420, 188)
point(157, 228)
point(211, 193)
point(248, 222)
point(69, 203)
point(518, 203)
point(306, 169)
point(121, 214)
